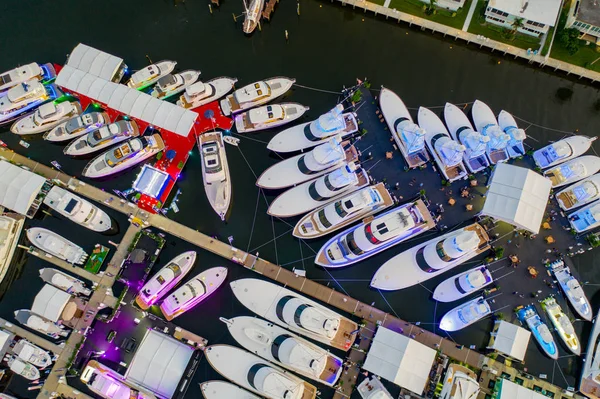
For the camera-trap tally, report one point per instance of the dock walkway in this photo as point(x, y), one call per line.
point(34, 338)
point(70, 268)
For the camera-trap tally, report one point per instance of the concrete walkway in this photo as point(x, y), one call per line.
point(470, 15)
point(387, 3)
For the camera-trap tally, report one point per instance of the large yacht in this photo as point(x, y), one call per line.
point(64, 281)
point(572, 289)
point(255, 94)
point(56, 245)
point(463, 284)
point(31, 353)
point(103, 137)
point(487, 124)
point(25, 97)
point(172, 84)
point(220, 389)
point(22, 368)
point(586, 218)
point(201, 93)
point(562, 325)
point(573, 170)
point(253, 15)
point(106, 383)
point(215, 172)
point(562, 151)
point(10, 232)
point(151, 74)
point(463, 132)
point(508, 124)
point(46, 117)
point(40, 324)
point(77, 126)
point(579, 194)
point(465, 314)
point(529, 316)
point(268, 116)
point(77, 209)
point(431, 258)
point(589, 383)
point(24, 73)
point(459, 383)
point(375, 235)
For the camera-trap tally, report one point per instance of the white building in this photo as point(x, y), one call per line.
point(536, 16)
point(509, 340)
point(584, 15)
point(452, 5)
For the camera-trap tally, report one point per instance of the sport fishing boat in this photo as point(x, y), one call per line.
point(320, 160)
point(106, 383)
point(529, 316)
point(220, 389)
point(77, 126)
point(193, 292)
point(459, 383)
point(22, 74)
point(587, 218)
point(56, 245)
point(463, 284)
point(124, 156)
point(409, 137)
point(295, 312)
point(103, 137)
point(590, 375)
point(486, 124)
point(201, 93)
point(448, 154)
point(466, 314)
point(463, 132)
point(375, 235)
point(312, 194)
point(31, 353)
point(40, 324)
point(46, 117)
point(562, 151)
point(165, 279)
point(255, 94)
point(268, 116)
point(431, 258)
point(285, 349)
point(573, 170)
point(310, 134)
point(579, 194)
point(515, 145)
point(562, 324)
point(24, 98)
point(151, 74)
point(172, 84)
point(22, 368)
point(64, 281)
point(344, 211)
point(253, 14)
point(572, 289)
point(77, 209)
point(256, 375)
point(215, 172)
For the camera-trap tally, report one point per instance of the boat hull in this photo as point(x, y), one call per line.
point(221, 86)
point(591, 165)
point(26, 125)
point(568, 201)
point(221, 389)
point(451, 321)
point(81, 145)
point(482, 117)
point(217, 192)
point(57, 135)
point(506, 121)
point(292, 112)
point(279, 86)
point(56, 245)
point(447, 290)
point(189, 78)
point(458, 122)
point(578, 144)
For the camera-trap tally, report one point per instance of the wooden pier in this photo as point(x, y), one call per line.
point(62, 264)
point(269, 9)
point(34, 338)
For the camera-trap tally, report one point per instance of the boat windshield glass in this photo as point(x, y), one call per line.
point(351, 243)
point(323, 219)
point(339, 209)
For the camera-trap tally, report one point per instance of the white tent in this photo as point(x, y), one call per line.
point(95, 62)
point(510, 339)
point(517, 196)
point(510, 390)
point(50, 302)
point(399, 359)
point(18, 187)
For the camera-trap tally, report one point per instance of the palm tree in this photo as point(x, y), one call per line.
point(517, 23)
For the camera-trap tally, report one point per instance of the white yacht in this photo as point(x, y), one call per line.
point(579, 194)
point(10, 233)
point(215, 172)
point(172, 84)
point(573, 170)
point(463, 284)
point(487, 124)
point(107, 383)
point(40, 324)
point(463, 132)
point(285, 349)
point(312, 194)
point(268, 116)
point(253, 15)
point(255, 94)
point(77, 209)
point(193, 292)
point(64, 281)
point(31, 353)
point(151, 74)
point(528, 315)
point(466, 314)
point(409, 137)
point(572, 289)
point(375, 235)
point(24, 73)
point(589, 383)
point(257, 375)
point(459, 383)
point(586, 218)
point(22, 368)
point(56, 245)
point(308, 166)
point(103, 137)
point(309, 134)
point(431, 258)
point(124, 156)
point(46, 117)
point(295, 312)
point(508, 124)
point(24, 98)
point(77, 126)
point(201, 93)
point(448, 154)
point(165, 279)
point(562, 151)
point(562, 325)
point(220, 389)
point(344, 211)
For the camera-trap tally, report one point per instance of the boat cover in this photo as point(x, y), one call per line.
point(333, 120)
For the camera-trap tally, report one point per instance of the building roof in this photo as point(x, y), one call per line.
point(18, 187)
point(511, 340)
point(589, 12)
point(151, 181)
point(50, 302)
point(510, 390)
point(544, 11)
point(95, 62)
point(399, 359)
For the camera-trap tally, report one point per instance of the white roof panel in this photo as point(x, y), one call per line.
point(174, 118)
point(74, 79)
point(116, 99)
point(50, 302)
point(64, 75)
point(96, 88)
point(151, 109)
point(77, 54)
point(138, 107)
point(107, 92)
point(544, 11)
point(162, 114)
point(100, 59)
point(186, 123)
point(511, 340)
point(18, 187)
point(510, 390)
point(84, 85)
point(129, 100)
point(93, 61)
point(88, 59)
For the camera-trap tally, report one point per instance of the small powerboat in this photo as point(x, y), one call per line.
point(103, 137)
point(253, 15)
point(579, 194)
point(56, 245)
point(64, 281)
point(31, 353)
point(463, 284)
point(463, 132)
point(172, 84)
point(255, 94)
point(24, 98)
point(220, 389)
point(107, 383)
point(46, 117)
point(77, 126)
point(151, 74)
point(201, 93)
point(529, 316)
point(586, 218)
point(562, 325)
point(487, 124)
point(268, 116)
point(572, 289)
point(562, 151)
point(466, 314)
point(40, 324)
point(22, 368)
point(77, 209)
point(21, 74)
point(508, 124)
point(573, 170)
point(215, 172)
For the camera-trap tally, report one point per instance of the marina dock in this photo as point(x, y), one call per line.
point(269, 9)
point(62, 264)
point(28, 335)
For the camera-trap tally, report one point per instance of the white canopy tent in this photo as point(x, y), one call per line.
point(95, 62)
point(510, 390)
point(18, 187)
point(399, 359)
point(517, 196)
point(510, 339)
point(50, 302)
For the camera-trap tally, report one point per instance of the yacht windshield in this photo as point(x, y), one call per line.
point(339, 209)
point(323, 219)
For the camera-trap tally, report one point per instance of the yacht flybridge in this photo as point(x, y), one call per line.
point(172, 84)
point(77, 126)
point(215, 172)
point(579, 194)
point(487, 124)
point(77, 209)
point(562, 325)
point(466, 314)
point(572, 289)
point(255, 94)
point(46, 117)
point(586, 218)
point(32, 71)
point(151, 74)
point(459, 383)
point(529, 316)
point(220, 389)
point(463, 284)
point(24, 98)
point(40, 324)
point(103, 137)
point(56, 245)
point(201, 93)
point(31, 353)
point(64, 281)
point(562, 151)
point(268, 116)
point(508, 124)
point(253, 15)
point(573, 170)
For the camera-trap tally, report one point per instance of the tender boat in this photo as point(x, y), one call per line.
point(448, 154)
point(285, 349)
point(215, 172)
point(529, 316)
point(431, 258)
point(463, 132)
point(375, 235)
point(487, 125)
point(508, 124)
point(572, 289)
point(256, 375)
point(31, 353)
point(201, 93)
point(344, 211)
point(22, 368)
point(151, 74)
point(579, 194)
point(295, 312)
point(308, 166)
point(77, 209)
point(409, 137)
point(312, 194)
point(268, 116)
point(587, 218)
point(255, 94)
point(46, 117)
point(221, 389)
point(466, 314)
point(573, 170)
point(172, 84)
point(253, 15)
point(193, 292)
point(56, 245)
point(562, 325)
point(459, 383)
point(562, 151)
point(590, 375)
point(165, 279)
point(106, 383)
point(77, 126)
point(310, 134)
point(124, 156)
point(463, 284)
point(22, 74)
point(24, 98)
point(40, 324)
point(103, 137)
point(64, 281)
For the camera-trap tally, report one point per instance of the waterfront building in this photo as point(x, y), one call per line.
point(584, 15)
point(452, 5)
point(509, 339)
point(531, 17)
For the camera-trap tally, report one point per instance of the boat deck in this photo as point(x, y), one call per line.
point(590, 388)
point(310, 391)
point(351, 125)
point(497, 156)
point(567, 198)
point(455, 172)
point(483, 238)
point(331, 369)
point(427, 218)
point(556, 179)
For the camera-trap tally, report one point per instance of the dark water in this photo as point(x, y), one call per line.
point(329, 47)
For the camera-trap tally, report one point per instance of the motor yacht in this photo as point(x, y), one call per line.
point(586, 218)
point(463, 284)
point(24, 98)
point(172, 84)
point(151, 74)
point(589, 383)
point(268, 116)
point(124, 156)
point(466, 314)
point(562, 325)
point(77, 126)
point(165, 279)
point(10, 234)
point(221, 389)
point(46, 117)
point(77, 209)
point(529, 316)
point(572, 289)
point(487, 124)
point(40, 324)
point(562, 151)
point(107, 383)
point(56, 245)
point(31, 353)
point(22, 368)
point(375, 234)
point(255, 94)
point(24, 73)
point(215, 172)
point(253, 15)
point(459, 383)
point(579, 194)
point(201, 93)
point(64, 281)
point(103, 137)
point(573, 170)
point(431, 258)
point(508, 124)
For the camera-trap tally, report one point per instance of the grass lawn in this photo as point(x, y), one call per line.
point(442, 16)
point(548, 41)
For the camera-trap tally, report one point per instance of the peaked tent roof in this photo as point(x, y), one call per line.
point(50, 302)
point(18, 187)
point(511, 340)
point(510, 390)
point(95, 62)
